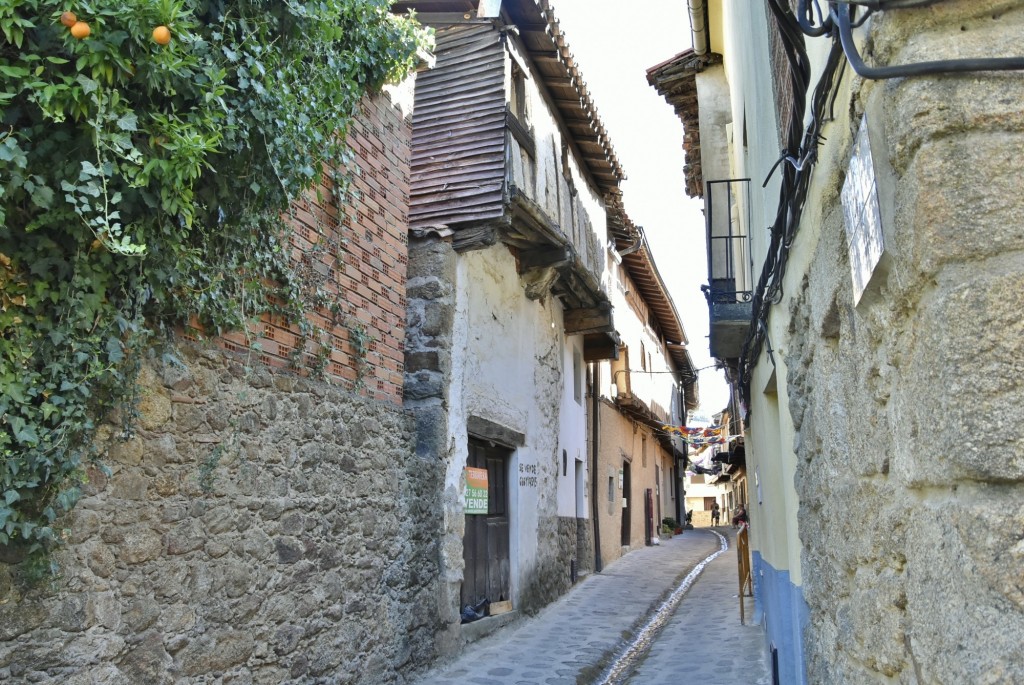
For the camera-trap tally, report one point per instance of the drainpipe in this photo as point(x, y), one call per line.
point(698, 26)
point(594, 483)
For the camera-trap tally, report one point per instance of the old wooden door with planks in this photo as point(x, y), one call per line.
point(485, 547)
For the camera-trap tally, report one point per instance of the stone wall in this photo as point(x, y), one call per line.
point(428, 364)
point(908, 407)
point(550, 577)
point(429, 320)
point(584, 546)
point(259, 527)
point(571, 545)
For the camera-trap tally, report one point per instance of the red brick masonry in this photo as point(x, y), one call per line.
point(358, 252)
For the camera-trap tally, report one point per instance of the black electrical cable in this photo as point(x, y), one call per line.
point(792, 40)
point(860, 22)
point(843, 20)
point(804, 17)
point(826, 25)
point(889, 4)
point(801, 153)
point(835, 93)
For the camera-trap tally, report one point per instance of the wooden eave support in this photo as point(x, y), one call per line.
point(638, 409)
point(543, 257)
point(599, 347)
point(476, 236)
point(439, 19)
point(530, 219)
point(594, 320)
point(544, 55)
point(546, 247)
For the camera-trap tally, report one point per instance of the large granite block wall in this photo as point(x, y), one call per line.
point(907, 407)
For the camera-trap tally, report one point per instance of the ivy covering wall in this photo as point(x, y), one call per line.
point(148, 149)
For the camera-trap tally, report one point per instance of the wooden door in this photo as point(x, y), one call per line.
point(485, 546)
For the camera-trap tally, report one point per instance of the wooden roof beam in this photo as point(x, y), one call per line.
point(544, 55)
point(556, 255)
point(592, 320)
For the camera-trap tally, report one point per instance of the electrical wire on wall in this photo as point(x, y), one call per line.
point(800, 154)
point(796, 162)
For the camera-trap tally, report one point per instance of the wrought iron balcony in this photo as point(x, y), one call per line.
point(730, 284)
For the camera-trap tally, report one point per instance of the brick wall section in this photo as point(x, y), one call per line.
point(356, 247)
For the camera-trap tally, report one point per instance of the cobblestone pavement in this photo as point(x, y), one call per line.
point(704, 642)
point(574, 640)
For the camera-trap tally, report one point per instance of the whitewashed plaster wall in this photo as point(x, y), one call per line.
point(507, 367)
point(655, 385)
point(573, 501)
point(558, 185)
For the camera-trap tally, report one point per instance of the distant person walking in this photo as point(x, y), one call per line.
point(716, 514)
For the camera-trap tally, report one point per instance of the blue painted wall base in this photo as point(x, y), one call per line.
point(780, 606)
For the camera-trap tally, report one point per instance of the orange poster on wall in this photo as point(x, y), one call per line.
point(476, 490)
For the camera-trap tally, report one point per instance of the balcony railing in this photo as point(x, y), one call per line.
point(730, 286)
point(727, 215)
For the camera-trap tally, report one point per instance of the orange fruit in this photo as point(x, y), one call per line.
point(162, 35)
point(80, 30)
point(68, 19)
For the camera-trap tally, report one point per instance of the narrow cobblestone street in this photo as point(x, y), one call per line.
point(580, 638)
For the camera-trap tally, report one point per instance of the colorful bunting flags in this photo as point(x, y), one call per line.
point(699, 435)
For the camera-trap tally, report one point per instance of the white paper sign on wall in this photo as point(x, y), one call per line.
point(863, 217)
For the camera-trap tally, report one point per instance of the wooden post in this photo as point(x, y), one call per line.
point(743, 567)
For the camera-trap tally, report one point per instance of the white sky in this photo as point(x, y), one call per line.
point(614, 43)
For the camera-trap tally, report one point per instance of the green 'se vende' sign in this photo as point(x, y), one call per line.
point(476, 490)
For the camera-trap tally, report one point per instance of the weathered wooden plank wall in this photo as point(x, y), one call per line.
point(458, 161)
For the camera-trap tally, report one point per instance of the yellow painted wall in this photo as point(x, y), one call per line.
point(715, 31)
point(771, 466)
point(771, 461)
point(621, 440)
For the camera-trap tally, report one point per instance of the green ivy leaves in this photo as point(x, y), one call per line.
point(143, 185)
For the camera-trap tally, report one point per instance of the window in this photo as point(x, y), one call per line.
point(611, 494)
point(519, 102)
point(643, 450)
point(643, 357)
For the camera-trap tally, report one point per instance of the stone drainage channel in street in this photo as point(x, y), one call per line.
point(633, 652)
